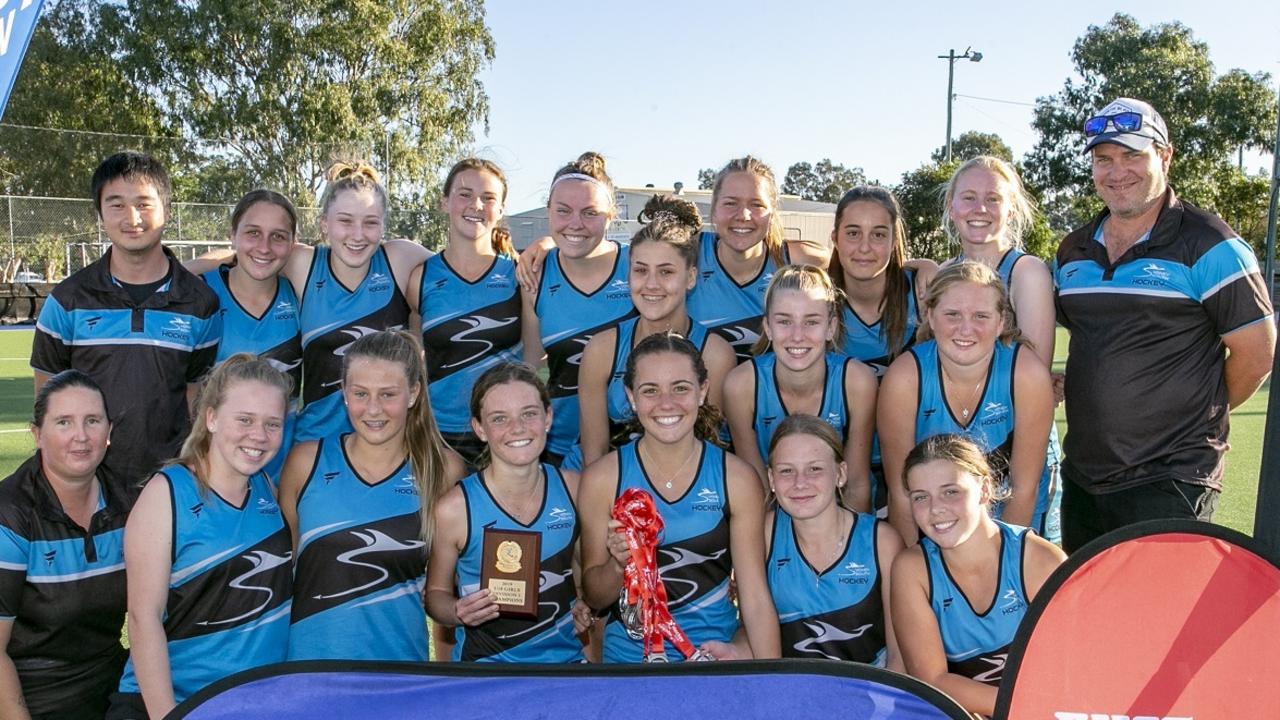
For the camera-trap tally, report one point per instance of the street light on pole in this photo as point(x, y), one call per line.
point(951, 57)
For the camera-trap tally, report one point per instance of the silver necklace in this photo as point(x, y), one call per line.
point(683, 465)
point(973, 395)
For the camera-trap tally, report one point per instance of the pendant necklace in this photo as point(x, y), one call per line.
point(973, 394)
point(683, 465)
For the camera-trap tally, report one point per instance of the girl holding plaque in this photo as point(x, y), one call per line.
point(711, 503)
point(360, 506)
point(512, 491)
point(959, 595)
point(799, 369)
point(664, 267)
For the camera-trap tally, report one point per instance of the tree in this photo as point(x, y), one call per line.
point(971, 144)
point(69, 80)
point(706, 179)
point(289, 87)
point(1165, 65)
point(824, 182)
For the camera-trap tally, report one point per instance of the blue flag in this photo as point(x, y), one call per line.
point(17, 20)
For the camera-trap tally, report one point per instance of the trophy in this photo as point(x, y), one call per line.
point(510, 568)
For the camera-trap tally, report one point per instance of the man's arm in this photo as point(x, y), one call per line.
point(1250, 353)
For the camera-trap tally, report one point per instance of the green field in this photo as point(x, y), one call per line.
point(1235, 509)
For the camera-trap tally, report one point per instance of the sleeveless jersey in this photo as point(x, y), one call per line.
point(361, 565)
point(620, 413)
point(769, 408)
point(332, 318)
point(693, 556)
point(567, 318)
point(732, 311)
point(229, 587)
point(991, 426)
point(866, 342)
point(977, 644)
point(550, 637)
point(275, 337)
point(467, 328)
point(837, 612)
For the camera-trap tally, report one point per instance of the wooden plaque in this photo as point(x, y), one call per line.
point(511, 569)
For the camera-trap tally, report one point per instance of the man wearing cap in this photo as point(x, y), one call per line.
point(1171, 327)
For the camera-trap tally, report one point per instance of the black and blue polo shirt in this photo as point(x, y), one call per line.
point(1146, 396)
point(143, 355)
point(63, 588)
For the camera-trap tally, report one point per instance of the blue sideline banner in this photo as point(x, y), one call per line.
point(794, 689)
point(17, 21)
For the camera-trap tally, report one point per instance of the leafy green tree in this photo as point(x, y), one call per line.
point(824, 182)
point(971, 144)
point(289, 87)
point(1208, 116)
point(920, 195)
point(706, 178)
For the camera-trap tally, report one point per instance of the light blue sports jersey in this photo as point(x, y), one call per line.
point(835, 612)
point(567, 319)
point(991, 426)
point(977, 643)
point(275, 337)
point(866, 341)
point(334, 316)
point(549, 638)
point(620, 413)
point(229, 587)
point(361, 564)
point(467, 328)
point(693, 556)
point(732, 311)
point(769, 410)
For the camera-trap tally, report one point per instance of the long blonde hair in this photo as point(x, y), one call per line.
point(773, 237)
point(241, 367)
point(805, 279)
point(971, 271)
point(1022, 209)
point(423, 444)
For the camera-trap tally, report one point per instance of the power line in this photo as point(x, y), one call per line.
point(996, 100)
point(91, 132)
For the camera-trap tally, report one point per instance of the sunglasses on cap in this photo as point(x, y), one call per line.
point(1127, 122)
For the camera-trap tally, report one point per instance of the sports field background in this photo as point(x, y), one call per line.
point(1235, 510)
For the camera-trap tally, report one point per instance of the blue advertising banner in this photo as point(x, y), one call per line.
point(17, 21)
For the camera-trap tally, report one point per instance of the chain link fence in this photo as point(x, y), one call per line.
point(45, 239)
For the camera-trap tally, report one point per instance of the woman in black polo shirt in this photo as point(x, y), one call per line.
point(62, 589)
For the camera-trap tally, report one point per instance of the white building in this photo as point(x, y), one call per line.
point(801, 219)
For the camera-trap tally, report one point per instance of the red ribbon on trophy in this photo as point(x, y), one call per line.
point(643, 601)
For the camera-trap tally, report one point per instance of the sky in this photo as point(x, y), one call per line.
point(664, 88)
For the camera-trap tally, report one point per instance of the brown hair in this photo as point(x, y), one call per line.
point(805, 278)
point(352, 176)
point(801, 424)
point(592, 165)
point(671, 220)
point(263, 195)
point(423, 444)
point(971, 271)
point(1022, 209)
point(241, 367)
point(961, 452)
point(895, 303)
point(748, 164)
point(500, 238)
point(707, 425)
point(501, 374)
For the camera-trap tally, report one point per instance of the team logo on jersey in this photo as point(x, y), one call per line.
point(559, 519)
point(439, 283)
point(92, 321)
point(406, 486)
point(763, 283)
point(855, 573)
point(994, 413)
point(553, 288)
point(1153, 270)
point(781, 562)
point(285, 310)
point(356, 333)
point(49, 557)
point(767, 421)
point(178, 329)
point(706, 274)
point(618, 289)
point(997, 669)
point(261, 562)
point(680, 558)
point(928, 412)
point(822, 633)
point(708, 500)
point(498, 280)
point(379, 282)
point(374, 542)
point(834, 420)
point(266, 506)
point(329, 476)
point(196, 509)
point(1011, 603)
point(320, 283)
point(477, 324)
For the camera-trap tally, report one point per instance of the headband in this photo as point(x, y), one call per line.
point(576, 176)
